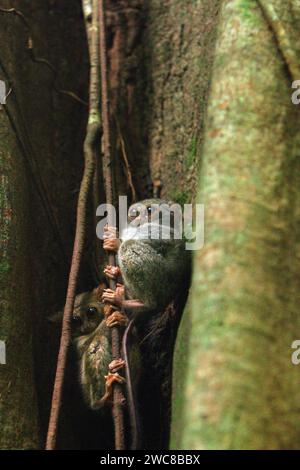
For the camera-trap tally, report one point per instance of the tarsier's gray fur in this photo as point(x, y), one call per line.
point(153, 269)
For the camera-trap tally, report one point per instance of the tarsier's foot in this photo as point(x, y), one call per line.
point(110, 239)
point(110, 379)
point(114, 297)
point(112, 272)
point(116, 365)
point(116, 318)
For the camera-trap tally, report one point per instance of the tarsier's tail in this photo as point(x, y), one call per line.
point(132, 403)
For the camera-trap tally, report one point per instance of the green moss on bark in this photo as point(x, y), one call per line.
point(241, 389)
point(178, 50)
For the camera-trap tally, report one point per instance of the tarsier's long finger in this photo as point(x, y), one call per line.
point(110, 232)
point(108, 297)
point(112, 272)
point(105, 294)
point(116, 319)
point(109, 236)
point(111, 244)
point(109, 294)
point(116, 365)
point(114, 377)
point(109, 275)
point(110, 378)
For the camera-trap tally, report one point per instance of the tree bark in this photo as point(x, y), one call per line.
point(18, 404)
point(179, 43)
point(239, 388)
point(42, 131)
point(173, 83)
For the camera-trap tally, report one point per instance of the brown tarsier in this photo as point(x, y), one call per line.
point(91, 338)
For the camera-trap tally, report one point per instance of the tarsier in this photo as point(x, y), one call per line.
point(91, 338)
point(152, 267)
point(151, 271)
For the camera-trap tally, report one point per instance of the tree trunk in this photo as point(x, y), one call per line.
point(239, 388)
point(18, 404)
point(41, 161)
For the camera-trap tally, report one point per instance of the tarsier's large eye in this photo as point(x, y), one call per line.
point(133, 213)
point(76, 321)
point(91, 311)
point(150, 210)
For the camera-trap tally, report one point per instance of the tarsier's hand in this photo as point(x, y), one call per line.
point(114, 297)
point(110, 379)
point(112, 272)
point(110, 239)
point(116, 319)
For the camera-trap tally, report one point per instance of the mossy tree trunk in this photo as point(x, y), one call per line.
point(239, 388)
point(40, 164)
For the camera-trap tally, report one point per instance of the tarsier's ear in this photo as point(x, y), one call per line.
point(56, 317)
point(99, 290)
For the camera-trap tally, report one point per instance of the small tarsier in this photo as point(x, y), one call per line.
point(152, 268)
point(91, 338)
